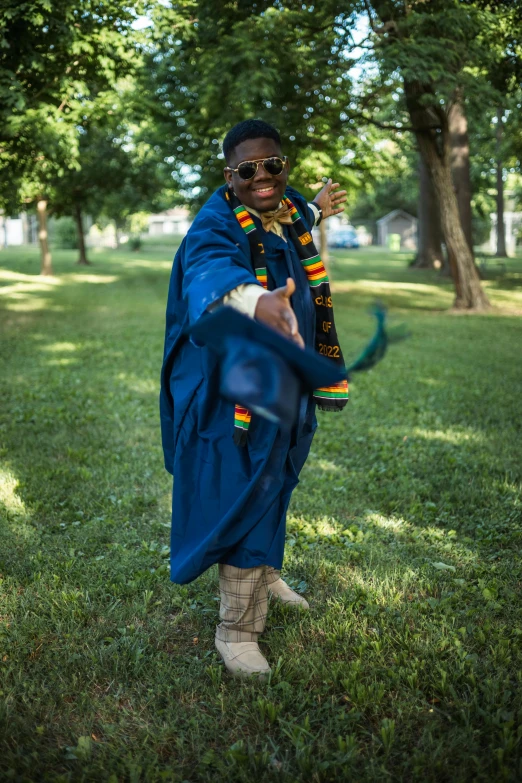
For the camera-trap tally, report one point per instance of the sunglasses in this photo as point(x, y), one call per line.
point(248, 168)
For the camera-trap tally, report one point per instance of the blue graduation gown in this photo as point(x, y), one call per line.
point(229, 503)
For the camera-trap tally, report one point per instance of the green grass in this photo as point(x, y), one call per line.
point(404, 533)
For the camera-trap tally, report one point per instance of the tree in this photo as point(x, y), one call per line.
point(193, 109)
point(53, 57)
point(431, 44)
point(429, 253)
point(505, 76)
point(460, 165)
point(117, 171)
point(419, 58)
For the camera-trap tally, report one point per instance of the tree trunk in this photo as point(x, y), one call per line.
point(469, 293)
point(501, 228)
point(460, 166)
point(45, 254)
point(117, 234)
point(82, 260)
point(429, 253)
point(430, 124)
point(323, 250)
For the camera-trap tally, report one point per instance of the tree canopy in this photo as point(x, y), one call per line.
point(358, 91)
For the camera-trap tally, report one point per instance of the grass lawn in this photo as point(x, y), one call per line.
point(404, 534)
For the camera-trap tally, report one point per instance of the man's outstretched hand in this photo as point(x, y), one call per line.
point(274, 309)
point(329, 199)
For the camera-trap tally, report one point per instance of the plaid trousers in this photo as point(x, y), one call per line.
point(244, 601)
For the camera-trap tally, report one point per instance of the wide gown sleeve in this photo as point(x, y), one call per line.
point(244, 298)
point(214, 264)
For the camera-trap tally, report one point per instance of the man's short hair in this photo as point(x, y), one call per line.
point(248, 129)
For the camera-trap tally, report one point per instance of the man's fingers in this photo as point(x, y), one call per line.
point(288, 290)
point(290, 287)
point(299, 340)
point(291, 324)
point(287, 319)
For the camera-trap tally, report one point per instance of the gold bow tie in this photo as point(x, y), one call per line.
point(281, 215)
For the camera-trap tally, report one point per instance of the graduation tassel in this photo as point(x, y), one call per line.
point(378, 345)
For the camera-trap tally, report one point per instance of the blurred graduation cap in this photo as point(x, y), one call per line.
point(266, 372)
point(260, 369)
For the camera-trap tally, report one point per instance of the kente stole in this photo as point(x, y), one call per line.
point(330, 398)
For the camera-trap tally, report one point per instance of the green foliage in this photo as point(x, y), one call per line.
point(54, 58)
point(272, 62)
point(97, 113)
point(64, 234)
point(386, 193)
point(405, 533)
point(135, 242)
point(117, 172)
point(49, 51)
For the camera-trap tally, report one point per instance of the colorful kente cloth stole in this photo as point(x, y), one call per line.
point(330, 398)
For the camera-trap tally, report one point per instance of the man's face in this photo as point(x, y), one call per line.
point(264, 191)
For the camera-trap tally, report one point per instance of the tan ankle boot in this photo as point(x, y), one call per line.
point(285, 594)
point(243, 659)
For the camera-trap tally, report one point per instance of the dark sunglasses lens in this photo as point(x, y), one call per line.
point(273, 166)
point(246, 170)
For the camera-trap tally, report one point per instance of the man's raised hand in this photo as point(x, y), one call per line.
point(274, 309)
point(329, 199)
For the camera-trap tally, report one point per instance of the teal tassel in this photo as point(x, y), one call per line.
point(378, 345)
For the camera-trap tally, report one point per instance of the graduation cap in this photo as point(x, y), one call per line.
point(260, 368)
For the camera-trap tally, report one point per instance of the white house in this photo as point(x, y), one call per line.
point(20, 230)
point(172, 221)
point(398, 222)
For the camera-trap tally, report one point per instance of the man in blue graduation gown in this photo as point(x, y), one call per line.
point(230, 500)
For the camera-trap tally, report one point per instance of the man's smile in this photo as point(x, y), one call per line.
point(264, 192)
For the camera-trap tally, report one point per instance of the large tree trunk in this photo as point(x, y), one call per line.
point(431, 128)
point(83, 260)
point(460, 166)
point(429, 253)
point(501, 228)
point(469, 293)
point(46, 267)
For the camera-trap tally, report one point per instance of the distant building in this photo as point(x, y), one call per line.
point(401, 223)
point(19, 230)
point(513, 229)
point(172, 221)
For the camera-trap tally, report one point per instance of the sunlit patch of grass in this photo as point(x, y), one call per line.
point(62, 362)
point(90, 278)
point(62, 347)
point(143, 263)
point(9, 497)
point(450, 435)
point(387, 523)
point(27, 303)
